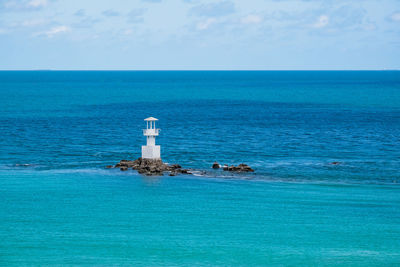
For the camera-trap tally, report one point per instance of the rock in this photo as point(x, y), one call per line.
point(335, 163)
point(150, 167)
point(231, 168)
point(175, 166)
point(240, 168)
point(216, 165)
point(245, 168)
point(109, 166)
point(125, 163)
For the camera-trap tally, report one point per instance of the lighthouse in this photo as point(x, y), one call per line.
point(150, 150)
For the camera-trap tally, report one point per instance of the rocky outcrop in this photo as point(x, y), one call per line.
point(216, 165)
point(239, 168)
point(150, 167)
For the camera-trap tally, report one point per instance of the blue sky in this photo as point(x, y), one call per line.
point(199, 34)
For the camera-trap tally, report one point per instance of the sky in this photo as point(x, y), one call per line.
point(199, 34)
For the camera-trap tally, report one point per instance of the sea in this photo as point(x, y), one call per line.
point(325, 147)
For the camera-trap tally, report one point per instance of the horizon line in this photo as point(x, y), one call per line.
point(200, 70)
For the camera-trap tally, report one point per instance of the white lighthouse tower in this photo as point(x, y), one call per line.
point(151, 151)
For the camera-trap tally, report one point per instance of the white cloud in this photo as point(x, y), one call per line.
point(322, 21)
point(204, 25)
point(37, 3)
point(23, 5)
point(55, 30)
point(128, 32)
point(251, 19)
point(395, 17)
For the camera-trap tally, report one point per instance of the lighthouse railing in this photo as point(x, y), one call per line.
point(151, 131)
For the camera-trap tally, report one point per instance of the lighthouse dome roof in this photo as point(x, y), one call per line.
point(151, 119)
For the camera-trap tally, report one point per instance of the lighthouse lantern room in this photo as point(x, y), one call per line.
point(151, 150)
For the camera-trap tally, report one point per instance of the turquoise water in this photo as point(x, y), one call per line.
point(59, 206)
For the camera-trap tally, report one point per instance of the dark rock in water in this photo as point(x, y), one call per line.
point(240, 168)
point(125, 163)
point(335, 163)
point(174, 167)
point(216, 165)
point(150, 166)
point(109, 166)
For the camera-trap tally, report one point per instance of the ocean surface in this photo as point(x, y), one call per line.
point(60, 206)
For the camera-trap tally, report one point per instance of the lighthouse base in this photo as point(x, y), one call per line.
point(151, 152)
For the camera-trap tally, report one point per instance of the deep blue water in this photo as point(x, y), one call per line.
point(58, 205)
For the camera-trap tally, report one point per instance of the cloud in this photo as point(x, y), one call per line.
point(204, 25)
point(33, 22)
point(80, 13)
point(37, 3)
point(333, 19)
point(251, 19)
point(86, 22)
point(395, 17)
point(322, 21)
point(24, 5)
point(110, 13)
point(54, 31)
point(213, 9)
point(128, 32)
point(136, 15)
point(347, 16)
